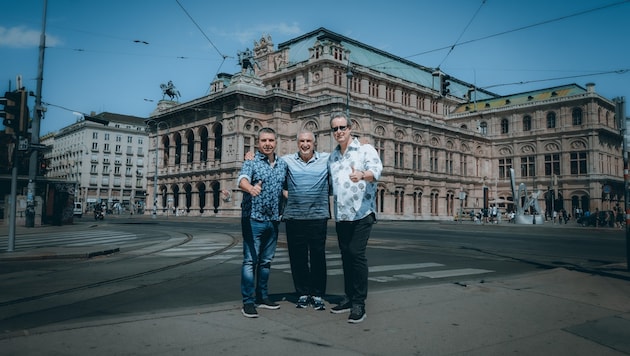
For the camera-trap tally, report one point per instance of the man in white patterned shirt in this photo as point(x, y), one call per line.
point(354, 169)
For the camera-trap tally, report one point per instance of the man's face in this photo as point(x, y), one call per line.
point(341, 136)
point(306, 144)
point(267, 143)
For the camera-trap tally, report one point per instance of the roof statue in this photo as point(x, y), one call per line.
point(170, 90)
point(247, 62)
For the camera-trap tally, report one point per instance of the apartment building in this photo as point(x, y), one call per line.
point(106, 163)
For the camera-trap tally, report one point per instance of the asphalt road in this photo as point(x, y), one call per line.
point(181, 263)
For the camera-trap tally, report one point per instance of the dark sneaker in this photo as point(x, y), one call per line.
point(303, 302)
point(343, 307)
point(268, 304)
point(318, 303)
point(249, 310)
point(357, 314)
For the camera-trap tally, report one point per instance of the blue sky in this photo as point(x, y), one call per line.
point(93, 62)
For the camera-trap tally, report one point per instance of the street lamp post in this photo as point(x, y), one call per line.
point(155, 175)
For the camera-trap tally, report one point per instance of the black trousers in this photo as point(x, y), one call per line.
point(353, 237)
point(306, 240)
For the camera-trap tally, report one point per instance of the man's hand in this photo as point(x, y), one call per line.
point(249, 156)
point(356, 176)
point(256, 189)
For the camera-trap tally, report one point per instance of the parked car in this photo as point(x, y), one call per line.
point(598, 219)
point(78, 209)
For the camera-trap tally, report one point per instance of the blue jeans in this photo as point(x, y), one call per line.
point(259, 247)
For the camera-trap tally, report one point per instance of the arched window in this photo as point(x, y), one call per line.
point(527, 123)
point(577, 116)
point(551, 120)
point(505, 126)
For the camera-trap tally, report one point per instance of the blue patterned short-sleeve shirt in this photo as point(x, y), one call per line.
point(265, 206)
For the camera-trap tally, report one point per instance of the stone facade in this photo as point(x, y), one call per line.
point(435, 144)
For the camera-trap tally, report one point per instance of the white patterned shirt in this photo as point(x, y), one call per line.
point(354, 201)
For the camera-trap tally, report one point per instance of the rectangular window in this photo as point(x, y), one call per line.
point(433, 160)
point(406, 98)
point(337, 77)
point(247, 144)
point(95, 135)
point(129, 139)
point(420, 102)
point(578, 163)
point(118, 149)
point(504, 167)
point(373, 89)
point(106, 148)
point(94, 146)
point(106, 137)
point(390, 94)
point(118, 138)
point(552, 164)
point(291, 84)
point(417, 158)
point(434, 106)
point(449, 162)
point(399, 155)
point(356, 84)
point(528, 166)
point(463, 165)
point(379, 145)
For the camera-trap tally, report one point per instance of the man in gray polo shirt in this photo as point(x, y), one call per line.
point(306, 215)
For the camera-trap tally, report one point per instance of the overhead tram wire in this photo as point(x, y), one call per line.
point(579, 13)
point(528, 26)
point(462, 34)
point(204, 35)
point(617, 71)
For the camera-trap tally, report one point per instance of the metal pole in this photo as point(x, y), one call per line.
point(620, 109)
point(348, 78)
point(155, 176)
point(32, 164)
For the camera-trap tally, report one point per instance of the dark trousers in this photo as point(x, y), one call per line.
point(353, 237)
point(306, 241)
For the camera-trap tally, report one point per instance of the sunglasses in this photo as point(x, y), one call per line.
point(339, 128)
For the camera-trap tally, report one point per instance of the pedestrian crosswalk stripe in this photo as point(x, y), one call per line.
point(403, 267)
point(452, 273)
point(281, 263)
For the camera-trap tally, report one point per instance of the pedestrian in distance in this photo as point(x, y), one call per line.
point(262, 179)
point(306, 217)
point(354, 169)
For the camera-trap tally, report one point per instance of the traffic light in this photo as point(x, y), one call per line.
point(444, 90)
point(11, 111)
point(43, 166)
point(15, 112)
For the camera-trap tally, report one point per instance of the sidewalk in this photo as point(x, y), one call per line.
point(552, 312)
point(555, 312)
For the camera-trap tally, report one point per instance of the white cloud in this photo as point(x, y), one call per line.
point(22, 37)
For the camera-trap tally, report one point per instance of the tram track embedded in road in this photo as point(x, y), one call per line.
point(234, 241)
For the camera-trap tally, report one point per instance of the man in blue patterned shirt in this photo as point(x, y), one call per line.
point(354, 169)
point(262, 179)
